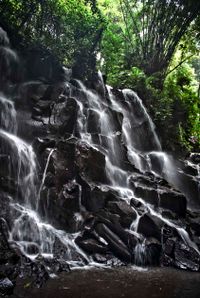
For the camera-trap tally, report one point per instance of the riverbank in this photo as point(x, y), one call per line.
point(120, 282)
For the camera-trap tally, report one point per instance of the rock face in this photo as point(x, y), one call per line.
point(95, 191)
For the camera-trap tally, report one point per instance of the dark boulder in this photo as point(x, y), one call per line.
point(55, 92)
point(150, 226)
point(113, 222)
point(126, 212)
point(91, 163)
point(135, 203)
point(7, 254)
point(95, 199)
point(64, 162)
point(178, 253)
point(93, 122)
point(64, 116)
point(91, 246)
point(118, 248)
point(195, 226)
point(49, 180)
point(40, 144)
point(6, 286)
point(149, 195)
point(29, 94)
point(191, 170)
point(186, 257)
point(174, 202)
point(195, 158)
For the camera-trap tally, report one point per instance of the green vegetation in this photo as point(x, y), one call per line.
point(71, 29)
point(151, 46)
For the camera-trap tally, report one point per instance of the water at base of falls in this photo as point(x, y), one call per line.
point(30, 231)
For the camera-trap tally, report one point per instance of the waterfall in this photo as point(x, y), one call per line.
point(8, 120)
point(119, 129)
point(139, 135)
point(29, 231)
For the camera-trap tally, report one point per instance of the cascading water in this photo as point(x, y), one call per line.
point(108, 125)
point(31, 234)
point(7, 115)
point(142, 143)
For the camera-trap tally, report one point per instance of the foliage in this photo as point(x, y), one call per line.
point(151, 46)
point(154, 28)
point(69, 28)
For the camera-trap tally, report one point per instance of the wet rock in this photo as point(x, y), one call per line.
point(53, 265)
point(135, 203)
point(169, 215)
point(100, 258)
point(126, 212)
point(55, 91)
point(195, 226)
point(177, 253)
point(66, 205)
point(149, 195)
point(64, 116)
point(115, 244)
point(150, 226)
point(186, 257)
point(191, 170)
point(157, 163)
point(40, 144)
point(113, 222)
point(93, 121)
point(62, 209)
point(5, 201)
point(169, 247)
point(95, 198)
point(6, 286)
point(195, 158)
point(29, 94)
point(91, 163)
point(143, 180)
point(166, 261)
point(168, 233)
point(114, 262)
point(49, 180)
point(91, 246)
point(64, 162)
point(174, 202)
point(117, 118)
point(7, 254)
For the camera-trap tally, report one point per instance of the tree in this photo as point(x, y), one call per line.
point(154, 28)
point(70, 29)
